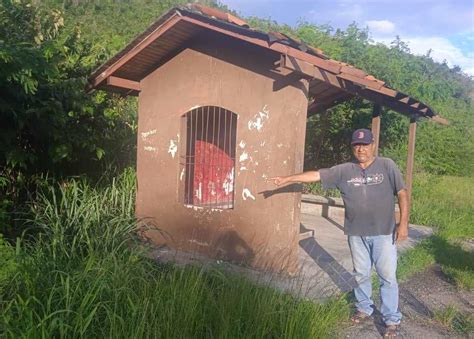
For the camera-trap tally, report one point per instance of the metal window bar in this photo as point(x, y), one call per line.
point(209, 162)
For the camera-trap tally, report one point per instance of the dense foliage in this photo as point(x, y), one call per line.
point(48, 121)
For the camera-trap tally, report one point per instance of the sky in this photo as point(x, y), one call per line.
point(444, 26)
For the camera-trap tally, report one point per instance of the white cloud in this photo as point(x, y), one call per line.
point(441, 49)
point(381, 26)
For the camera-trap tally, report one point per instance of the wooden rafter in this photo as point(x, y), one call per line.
point(134, 51)
point(440, 120)
point(372, 90)
point(124, 83)
point(320, 106)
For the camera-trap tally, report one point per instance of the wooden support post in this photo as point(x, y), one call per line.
point(376, 126)
point(410, 160)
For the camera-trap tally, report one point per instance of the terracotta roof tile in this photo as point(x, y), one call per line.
point(215, 13)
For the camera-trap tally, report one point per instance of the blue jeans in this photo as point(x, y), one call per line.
point(381, 252)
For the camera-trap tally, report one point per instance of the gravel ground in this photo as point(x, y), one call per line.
point(421, 296)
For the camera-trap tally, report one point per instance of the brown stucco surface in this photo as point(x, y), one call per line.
point(261, 230)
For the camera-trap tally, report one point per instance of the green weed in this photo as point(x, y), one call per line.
point(452, 319)
point(445, 203)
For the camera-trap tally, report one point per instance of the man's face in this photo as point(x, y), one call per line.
point(363, 153)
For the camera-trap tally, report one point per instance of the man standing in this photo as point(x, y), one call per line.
point(368, 187)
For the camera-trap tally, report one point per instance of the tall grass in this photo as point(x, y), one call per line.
point(83, 277)
point(445, 203)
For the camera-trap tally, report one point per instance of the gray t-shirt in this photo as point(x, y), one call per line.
point(369, 195)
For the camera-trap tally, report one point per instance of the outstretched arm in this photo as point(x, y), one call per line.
point(309, 176)
point(401, 232)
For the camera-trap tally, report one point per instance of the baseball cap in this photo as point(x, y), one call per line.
point(362, 136)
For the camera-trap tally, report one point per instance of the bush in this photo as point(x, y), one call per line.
point(8, 264)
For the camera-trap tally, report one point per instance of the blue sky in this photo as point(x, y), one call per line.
point(446, 27)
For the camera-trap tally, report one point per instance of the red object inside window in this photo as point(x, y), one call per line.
point(213, 181)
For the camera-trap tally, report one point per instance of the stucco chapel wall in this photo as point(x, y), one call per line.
point(260, 231)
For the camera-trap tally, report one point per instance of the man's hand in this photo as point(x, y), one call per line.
point(309, 176)
point(279, 181)
point(401, 232)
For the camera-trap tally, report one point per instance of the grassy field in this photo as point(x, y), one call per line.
point(447, 204)
point(79, 273)
point(81, 276)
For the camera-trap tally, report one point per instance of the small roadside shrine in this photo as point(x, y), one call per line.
point(221, 108)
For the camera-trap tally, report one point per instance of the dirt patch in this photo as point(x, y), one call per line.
point(467, 245)
point(420, 298)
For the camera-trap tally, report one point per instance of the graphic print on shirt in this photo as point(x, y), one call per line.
point(371, 179)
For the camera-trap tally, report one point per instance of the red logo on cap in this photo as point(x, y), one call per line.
point(361, 135)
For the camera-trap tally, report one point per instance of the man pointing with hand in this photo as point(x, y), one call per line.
point(368, 187)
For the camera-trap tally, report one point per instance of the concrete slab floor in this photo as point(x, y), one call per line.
point(325, 264)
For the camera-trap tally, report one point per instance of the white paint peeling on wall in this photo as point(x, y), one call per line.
point(242, 144)
point(196, 208)
point(148, 133)
point(259, 119)
point(199, 191)
point(173, 148)
point(150, 149)
point(262, 143)
point(228, 184)
point(243, 168)
point(285, 162)
point(197, 242)
point(181, 176)
point(247, 194)
point(264, 176)
point(244, 156)
point(280, 145)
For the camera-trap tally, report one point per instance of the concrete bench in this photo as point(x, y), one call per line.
point(326, 207)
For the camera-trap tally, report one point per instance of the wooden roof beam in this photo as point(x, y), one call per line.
point(135, 50)
point(440, 120)
point(384, 100)
point(124, 83)
point(384, 96)
point(320, 106)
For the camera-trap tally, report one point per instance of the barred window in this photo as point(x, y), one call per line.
point(208, 160)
